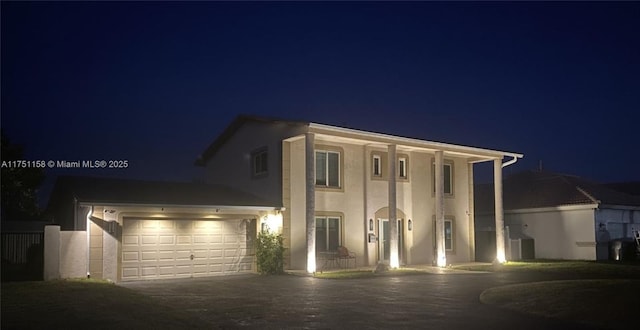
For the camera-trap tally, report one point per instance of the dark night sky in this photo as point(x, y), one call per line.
point(155, 83)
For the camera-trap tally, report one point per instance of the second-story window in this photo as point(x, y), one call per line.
point(402, 167)
point(260, 161)
point(377, 165)
point(447, 168)
point(328, 168)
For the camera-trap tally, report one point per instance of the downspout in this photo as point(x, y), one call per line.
point(511, 162)
point(499, 206)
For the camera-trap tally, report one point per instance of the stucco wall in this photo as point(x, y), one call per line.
point(73, 254)
point(618, 223)
point(566, 234)
point(231, 165)
point(296, 211)
point(362, 196)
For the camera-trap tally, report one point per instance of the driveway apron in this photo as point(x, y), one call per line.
point(448, 301)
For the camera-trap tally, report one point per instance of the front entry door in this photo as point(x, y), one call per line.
point(384, 246)
point(384, 243)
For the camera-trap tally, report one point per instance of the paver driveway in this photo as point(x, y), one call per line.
point(432, 301)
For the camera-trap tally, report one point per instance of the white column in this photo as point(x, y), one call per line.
point(394, 260)
point(497, 182)
point(310, 174)
point(471, 215)
point(441, 257)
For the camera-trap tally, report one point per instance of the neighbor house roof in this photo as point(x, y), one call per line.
point(536, 189)
point(631, 187)
point(353, 134)
point(138, 192)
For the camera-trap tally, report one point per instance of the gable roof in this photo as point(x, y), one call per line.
point(352, 135)
point(535, 189)
point(138, 192)
point(235, 125)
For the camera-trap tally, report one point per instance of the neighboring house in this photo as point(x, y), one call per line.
point(340, 186)
point(131, 230)
point(566, 216)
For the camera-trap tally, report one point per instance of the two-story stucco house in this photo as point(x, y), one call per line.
point(386, 198)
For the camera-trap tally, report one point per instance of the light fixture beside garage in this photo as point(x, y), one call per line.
point(272, 223)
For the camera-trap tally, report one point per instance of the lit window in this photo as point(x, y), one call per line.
point(402, 168)
point(448, 178)
point(327, 234)
point(328, 169)
point(377, 165)
point(259, 160)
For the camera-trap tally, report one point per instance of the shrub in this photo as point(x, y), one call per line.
point(270, 253)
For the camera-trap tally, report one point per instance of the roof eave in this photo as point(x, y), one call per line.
point(195, 206)
point(387, 138)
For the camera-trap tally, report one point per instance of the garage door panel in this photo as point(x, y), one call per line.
point(130, 240)
point(183, 239)
point(149, 271)
point(183, 255)
point(164, 248)
point(130, 273)
point(149, 239)
point(149, 256)
point(216, 254)
point(131, 256)
point(166, 255)
point(166, 239)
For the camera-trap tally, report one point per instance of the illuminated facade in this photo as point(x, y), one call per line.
point(341, 187)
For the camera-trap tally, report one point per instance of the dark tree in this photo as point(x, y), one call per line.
point(19, 184)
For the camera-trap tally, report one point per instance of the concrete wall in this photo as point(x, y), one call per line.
point(65, 253)
point(51, 253)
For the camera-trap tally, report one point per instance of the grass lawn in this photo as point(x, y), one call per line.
point(556, 266)
point(84, 304)
point(602, 303)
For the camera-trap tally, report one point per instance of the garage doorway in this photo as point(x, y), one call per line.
point(177, 248)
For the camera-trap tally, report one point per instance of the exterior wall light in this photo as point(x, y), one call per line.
point(370, 224)
point(410, 225)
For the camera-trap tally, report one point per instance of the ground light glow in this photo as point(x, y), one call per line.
point(311, 263)
point(394, 261)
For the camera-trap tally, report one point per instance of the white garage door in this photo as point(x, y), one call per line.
point(157, 249)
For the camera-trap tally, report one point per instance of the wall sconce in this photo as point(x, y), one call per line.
point(370, 224)
point(111, 227)
point(410, 225)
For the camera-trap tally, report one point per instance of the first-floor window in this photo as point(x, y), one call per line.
point(327, 234)
point(448, 235)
